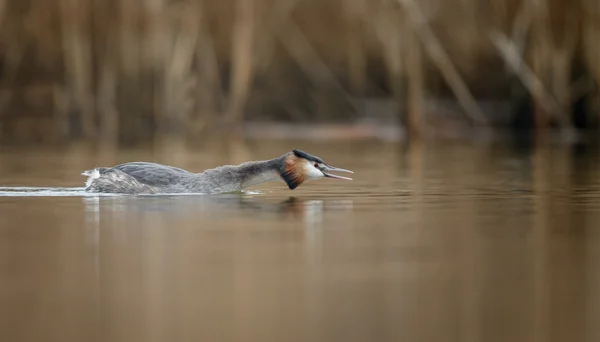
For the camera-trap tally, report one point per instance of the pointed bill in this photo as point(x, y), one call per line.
point(332, 168)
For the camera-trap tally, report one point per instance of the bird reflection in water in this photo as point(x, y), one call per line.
point(211, 207)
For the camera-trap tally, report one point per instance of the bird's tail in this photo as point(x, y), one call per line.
point(92, 175)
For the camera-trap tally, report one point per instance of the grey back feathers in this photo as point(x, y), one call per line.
point(115, 181)
point(153, 174)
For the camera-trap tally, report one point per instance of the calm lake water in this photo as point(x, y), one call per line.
point(433, 242)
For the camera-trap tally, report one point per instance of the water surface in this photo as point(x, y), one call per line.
point(432, 242)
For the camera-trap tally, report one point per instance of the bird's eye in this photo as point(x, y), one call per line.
point(316, 165)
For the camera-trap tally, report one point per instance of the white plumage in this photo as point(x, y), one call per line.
point(92, 174)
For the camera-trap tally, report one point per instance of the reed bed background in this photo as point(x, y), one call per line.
point(133, 70)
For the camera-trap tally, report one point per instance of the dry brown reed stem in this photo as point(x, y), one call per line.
point(106, 104)
point(540, 49)
point(60, 107)
point(308, 58)
point(416, 84)
point(2, 8)
point(591, 49)
point(402, 55)
point(152, 51)
point(510, 53)
point(12, 61)
point(78, 60)
point(106, 89)
point(275, 20)
point(178, 79)
point(242, 57)
point(357, 59)
point(387, 23)
point(209, 90)
point(562, 61)
point(300, 48)
point(548, 80)
point(395, 35)
point(521, 26)
point(129, 36)
point(133, 57)
point(442, 61)
point(7, 68)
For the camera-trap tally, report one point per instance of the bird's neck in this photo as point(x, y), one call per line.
point(259, 172)
point(230, 178)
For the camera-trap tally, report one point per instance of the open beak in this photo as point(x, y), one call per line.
point(335, 169)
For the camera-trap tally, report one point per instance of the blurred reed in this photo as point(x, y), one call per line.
point(131, 70)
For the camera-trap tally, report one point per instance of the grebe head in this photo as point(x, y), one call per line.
point(300, 166)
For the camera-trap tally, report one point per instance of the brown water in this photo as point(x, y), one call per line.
point(443, 242)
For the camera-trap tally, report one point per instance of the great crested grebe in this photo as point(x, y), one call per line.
point(149, 178)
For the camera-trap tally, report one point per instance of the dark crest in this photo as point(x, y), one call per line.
point(308, 156)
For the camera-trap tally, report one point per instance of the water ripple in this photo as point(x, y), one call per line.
point(22, 191)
